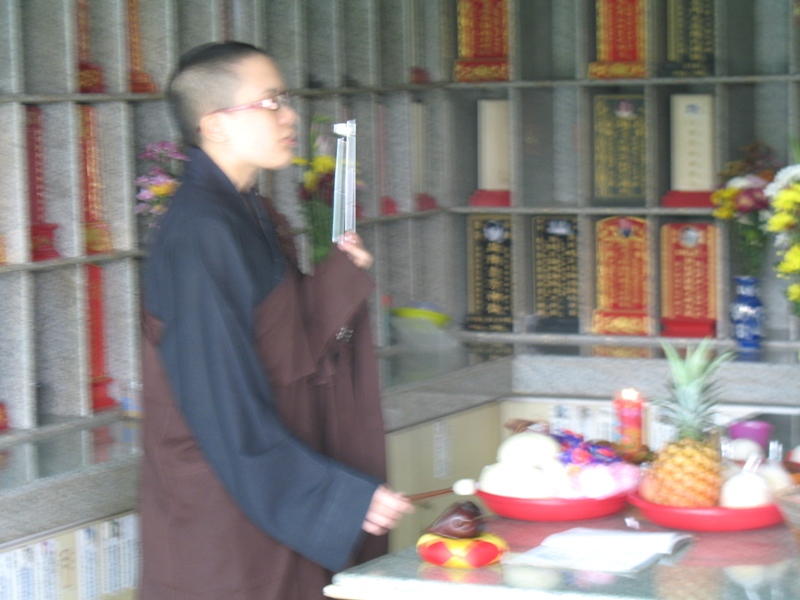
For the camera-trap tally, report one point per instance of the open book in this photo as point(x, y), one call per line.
point(606, 550)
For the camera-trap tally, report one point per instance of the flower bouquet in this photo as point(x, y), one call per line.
point(742, 201)
point(784, 194)
point(159, 184)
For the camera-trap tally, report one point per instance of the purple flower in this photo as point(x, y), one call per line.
point(162, 152)
point(145, 194)
point(751, 200)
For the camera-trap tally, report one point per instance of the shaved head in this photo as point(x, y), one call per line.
point(206, 79)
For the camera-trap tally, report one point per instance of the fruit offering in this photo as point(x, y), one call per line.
point(691, 472)
point(456, 539)
point(688, 471)
point(562, 464)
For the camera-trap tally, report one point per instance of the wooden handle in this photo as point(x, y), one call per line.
point(426, 495)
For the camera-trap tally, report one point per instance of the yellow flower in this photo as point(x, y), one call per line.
point(721, 195)
point(725, 200)
point(310, 181)
point(791, 261)
point(724, 212)
point(300, 161)
point(324, 163)
point(793, 293)
point(781, 221)
point(168, 188)
point(787, 199)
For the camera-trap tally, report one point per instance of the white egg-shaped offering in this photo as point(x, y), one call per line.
point(528, 448)
point(745, 490)
point(744, 448)
point(515, 480)
point(776, 476)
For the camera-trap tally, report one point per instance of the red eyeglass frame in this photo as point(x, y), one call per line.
point(276, 102)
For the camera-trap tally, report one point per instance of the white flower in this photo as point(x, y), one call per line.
point(783, 178)
point(783, 241)
point(746, 181)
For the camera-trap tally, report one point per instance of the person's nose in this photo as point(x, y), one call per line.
point(287, 114)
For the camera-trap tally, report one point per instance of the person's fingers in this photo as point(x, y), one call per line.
point(361, 257)
point(385, 511)
point(352, 237)
point(373, 529)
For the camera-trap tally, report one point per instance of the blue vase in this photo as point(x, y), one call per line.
point(747, 316)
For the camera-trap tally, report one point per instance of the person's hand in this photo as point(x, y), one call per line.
point(352, 245)
point(385, 511)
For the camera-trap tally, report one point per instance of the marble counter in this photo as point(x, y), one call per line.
point(447, 394)
point(760, 564)
point(588, 376)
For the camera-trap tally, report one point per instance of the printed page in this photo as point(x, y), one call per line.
point(601, 550)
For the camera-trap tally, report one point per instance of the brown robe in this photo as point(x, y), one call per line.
point(197, 542)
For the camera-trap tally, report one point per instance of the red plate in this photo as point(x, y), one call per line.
point(707, 519)
point(552, 509)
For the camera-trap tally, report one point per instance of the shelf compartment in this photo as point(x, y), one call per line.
point(13, 173)
point(61, 453)
point(754, 36)
point(550, 257)
point(116, 171)
point(754, 112)
point(393, 115)
point(158, 46)
point(16, 364)
point(122, 323)
point(63, 189)
point(548, 40)
point(323, 43)
point(394, 22)
point(108, 48)
point(10, 44)
point(49, 49)
point(433, 40)
point(397, 266)
point(463, 108)
point(551, 152)
point(361, 62)
point(19, 466)
point(661, 126)
point(59, 319)
point(431, 278)
point(619, 125)
point(201, 21)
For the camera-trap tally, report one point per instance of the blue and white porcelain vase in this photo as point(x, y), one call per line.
point(747, 316)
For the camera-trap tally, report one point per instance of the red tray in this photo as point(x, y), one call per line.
point(552, 509)
point(707, 519)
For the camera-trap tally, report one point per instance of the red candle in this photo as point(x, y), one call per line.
point(628, 409)
point(3, 417)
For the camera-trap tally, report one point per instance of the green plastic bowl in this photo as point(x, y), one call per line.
point(408, 312)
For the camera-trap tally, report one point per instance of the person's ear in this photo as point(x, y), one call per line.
point(212, 127)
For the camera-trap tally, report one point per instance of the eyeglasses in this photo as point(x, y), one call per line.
point(284, 99)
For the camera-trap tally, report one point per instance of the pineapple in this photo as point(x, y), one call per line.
point(687, 472)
